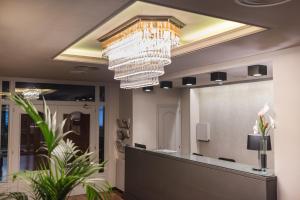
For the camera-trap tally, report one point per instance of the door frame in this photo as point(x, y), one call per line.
point(16, 126)
point(15, 142)
point(178, 124)
point(61, 109)
point(111, 92)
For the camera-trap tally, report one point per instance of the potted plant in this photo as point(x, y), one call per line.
point(64, 167)
point(263, 125)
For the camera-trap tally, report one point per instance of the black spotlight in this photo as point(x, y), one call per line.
point(218, 76)
point(189, 81)
point(257, 70)
point(148, 89)
point(166, 84)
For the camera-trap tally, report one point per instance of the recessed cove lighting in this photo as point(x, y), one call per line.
point(187, 32)
point(261, 3)
point(218, 76)
point(257, 70)
point(166, 84)
point(148, 89)
point(188, 81)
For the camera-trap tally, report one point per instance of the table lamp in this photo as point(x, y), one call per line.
point(254, 143)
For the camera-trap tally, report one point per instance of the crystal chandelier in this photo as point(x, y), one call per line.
point(31, 93)
point(139, 49)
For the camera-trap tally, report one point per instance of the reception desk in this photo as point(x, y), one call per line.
point(152, 175)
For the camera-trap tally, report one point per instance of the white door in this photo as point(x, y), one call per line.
point(169, 134)
point(25, 140)
point(81, 119)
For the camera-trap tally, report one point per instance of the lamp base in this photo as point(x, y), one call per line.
point(257, 169)
point(263, 161)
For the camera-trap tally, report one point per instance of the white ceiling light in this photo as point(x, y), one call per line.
point(139, 49)
point(261, 3)
point(31, 93)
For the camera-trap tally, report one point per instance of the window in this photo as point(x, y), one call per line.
point(58, 92)
point(101, 132)
point(31, 143)
point(101, 120)
point(102, 93)
point(4, 142)
point(5, 88)
point(79, 124)
point(80, 120)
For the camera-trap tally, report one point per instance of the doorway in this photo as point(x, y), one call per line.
point(81, 120)
point(169, 133)
point(27, 138)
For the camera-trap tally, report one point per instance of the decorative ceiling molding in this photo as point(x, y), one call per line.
point(200, 31)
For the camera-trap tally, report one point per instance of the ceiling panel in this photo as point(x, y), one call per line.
point(33, 32)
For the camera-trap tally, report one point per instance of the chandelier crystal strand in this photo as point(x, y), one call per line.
point(139, 53)
point(31, 93)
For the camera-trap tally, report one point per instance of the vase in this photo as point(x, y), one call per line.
point(263, 153)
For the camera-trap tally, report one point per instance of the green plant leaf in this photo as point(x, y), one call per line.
point(65, 166)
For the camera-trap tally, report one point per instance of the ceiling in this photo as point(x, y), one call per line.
point(198, 31)
point(33, 32)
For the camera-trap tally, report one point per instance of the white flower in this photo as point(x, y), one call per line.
point(272, 122)
point(255, 128)
point(264, 110)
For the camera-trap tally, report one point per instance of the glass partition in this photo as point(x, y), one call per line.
point(56, 92)
point(31, 143)
point(5, 88)
point(30, 136)
point(4, 142)
point(79, 124)
point(101, 118)
point(102, 93)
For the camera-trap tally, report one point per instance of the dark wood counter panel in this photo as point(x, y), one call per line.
point(155, 176)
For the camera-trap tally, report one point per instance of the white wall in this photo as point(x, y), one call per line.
point(125, 112)
point(286, 70)
point(185, 120)
point(111, 115)
point(231, 111)
point(125, 109)
point(194, 119)
point(287, 135)
point(145, 113)
point(141, 108)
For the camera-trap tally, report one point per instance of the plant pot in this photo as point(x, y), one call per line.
point(263, 153)
point(263, 161)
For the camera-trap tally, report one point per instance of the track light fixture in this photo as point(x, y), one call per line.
point(218, 76)
point(166, 84)
point(188, 81)
point(257, 70)
point(148, 89)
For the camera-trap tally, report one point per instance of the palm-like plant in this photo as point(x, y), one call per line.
point(64, 167)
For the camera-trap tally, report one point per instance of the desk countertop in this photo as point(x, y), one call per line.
point(234, 166)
